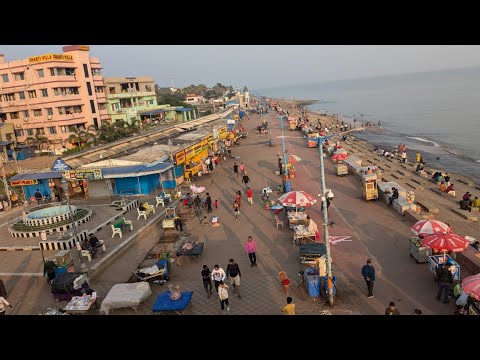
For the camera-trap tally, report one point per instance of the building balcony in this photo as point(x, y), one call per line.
point(133, 94)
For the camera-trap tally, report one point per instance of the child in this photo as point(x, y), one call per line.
point(216, 204)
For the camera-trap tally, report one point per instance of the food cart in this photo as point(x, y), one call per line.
point(369, 186)
point(341, 169)
point(293, 122)
point(313, 140)
point(302, 234)
point(419, 252)
point(435, 260)
point(297, 218)
point(169, 221)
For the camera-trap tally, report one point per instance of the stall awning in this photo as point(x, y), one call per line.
point(37, 176)
point(135, 170)
point(183, 109)
point(153, 112)
point(5, 143)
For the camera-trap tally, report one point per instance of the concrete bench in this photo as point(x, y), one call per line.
point(401, 204)
point(415, 186)
point(439, 192)
point(397, 176)
point(413, 216)
point(384, 185)
point(403, 173)
point(427, 206)
point(465, 182)
point(469, 259)
point(465, 214)
point(416, 181)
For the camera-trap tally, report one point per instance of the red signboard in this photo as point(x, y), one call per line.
point(23, 182)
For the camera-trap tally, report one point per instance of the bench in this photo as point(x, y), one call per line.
point(439, 192)
point(427, 206)
point(401, 204)
point(465, 214)
point(469, 259)
point(120, 225)
point(414, 216)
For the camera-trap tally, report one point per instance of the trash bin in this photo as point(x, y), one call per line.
point(313, 281)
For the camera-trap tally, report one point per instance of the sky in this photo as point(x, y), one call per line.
point(263, 66)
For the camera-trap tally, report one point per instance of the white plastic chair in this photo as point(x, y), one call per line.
point(86, 253)
point(160, 200)
point(116, 231)
point(141, 213)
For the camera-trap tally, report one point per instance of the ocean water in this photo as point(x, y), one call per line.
point(437, 113)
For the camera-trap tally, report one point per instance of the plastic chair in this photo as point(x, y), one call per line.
point(86, 253)
point(141, 213)
point(278, 222)
point(160, 200)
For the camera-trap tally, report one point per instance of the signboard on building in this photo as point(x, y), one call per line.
point(89, 174)
point(60, 165)
point(222, 133)
point(49, 57)
point(23, 182)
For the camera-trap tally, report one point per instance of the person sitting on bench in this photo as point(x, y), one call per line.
point(464, 205)
point(95, 243)
point(393, 197)
point(450, 190)
point(86, 246)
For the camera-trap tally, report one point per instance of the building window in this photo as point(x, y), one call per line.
point(5, 78)
point(95, 122)
point(3, 117)
point(49, 111)
point(32, 94)
point(9, 97)
point(64, 91)
point(92, 106)
point(30, 132)
point(44, 92)
point(99, 89)
point(111, 90)
point(37, 112)
point(40, 73)
point(89, 88)
point(85, 70)
point(26, 114)
point(62, 71)
point(150, 102)
point(19, 76)
point(19, 132)
point(52, 130)
point(14, 115)
point(96, 72)
point(64, 129)
point(148, 87)
point(21, 95)
point(40, 131)
point(8, 136)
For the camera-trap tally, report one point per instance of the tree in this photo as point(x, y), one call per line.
point(80, 136)
point(108, 133)
point(134, 127)
point(245, 89)
point(38, 140)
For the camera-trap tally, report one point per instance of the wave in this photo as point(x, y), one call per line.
point(423, 140)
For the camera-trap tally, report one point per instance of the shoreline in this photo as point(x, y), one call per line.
point(330, 119)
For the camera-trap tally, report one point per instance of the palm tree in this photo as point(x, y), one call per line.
point(38, 140)
point(108, 133)
point(78, 136)
point(134, 127)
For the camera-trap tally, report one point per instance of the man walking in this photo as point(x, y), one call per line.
point(235, 169)
point(246, 180)
point(243, 169)
point(234, 272)
point(208, 201)
point(207, 281)
point(218, 274)
point(289, 308)
point(445, 281)
point(368, 272)
point(251, 249)
point(250, 196)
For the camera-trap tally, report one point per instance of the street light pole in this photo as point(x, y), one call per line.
point(4, 178)
point(65, 187)
point(283, 147)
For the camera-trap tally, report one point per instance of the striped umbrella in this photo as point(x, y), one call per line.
point(445, 242)
point(430, 227)
point(297, 198)
point(294, 158)
point(471, 286)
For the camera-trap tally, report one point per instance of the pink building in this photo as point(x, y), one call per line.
point(50, 93)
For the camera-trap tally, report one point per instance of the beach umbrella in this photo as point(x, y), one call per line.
point(445, 242)
point(430, 227)
point(297, 198)
point(294, 158)
point(471, 286)
point(339, 156)
point(197, 189)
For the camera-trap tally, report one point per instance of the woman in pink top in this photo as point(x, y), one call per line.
point(250, 249)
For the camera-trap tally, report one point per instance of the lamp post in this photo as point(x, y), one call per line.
point(283, 147)
point(65, 187)
point(4, 178)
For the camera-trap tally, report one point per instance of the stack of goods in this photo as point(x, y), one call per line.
point(410, 196)
point(214, 222)
point(297, 218)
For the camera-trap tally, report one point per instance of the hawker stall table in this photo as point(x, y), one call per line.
point(419, 252)
point(81, 304)
point(435, 260)
point(302, 234)
point(297, 218)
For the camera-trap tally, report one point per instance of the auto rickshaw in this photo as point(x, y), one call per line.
point(369, 186)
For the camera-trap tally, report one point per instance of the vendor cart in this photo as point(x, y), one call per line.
point(169, 221)
point(419, 252)
point(302, 235)
point(369, 186)
point(435, 260)
point(81, 304)
point(341, 169)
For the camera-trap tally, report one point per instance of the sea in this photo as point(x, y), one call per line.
point(436, 113)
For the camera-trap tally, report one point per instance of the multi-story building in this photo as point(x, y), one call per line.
point(129, 96)
point(48, 95)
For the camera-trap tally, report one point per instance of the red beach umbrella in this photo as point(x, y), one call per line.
point(297, 198)
point(471, 286)
point(430, 227)
point(445, 242)
point(339, 156)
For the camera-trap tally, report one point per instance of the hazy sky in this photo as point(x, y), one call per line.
point(263, 66)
